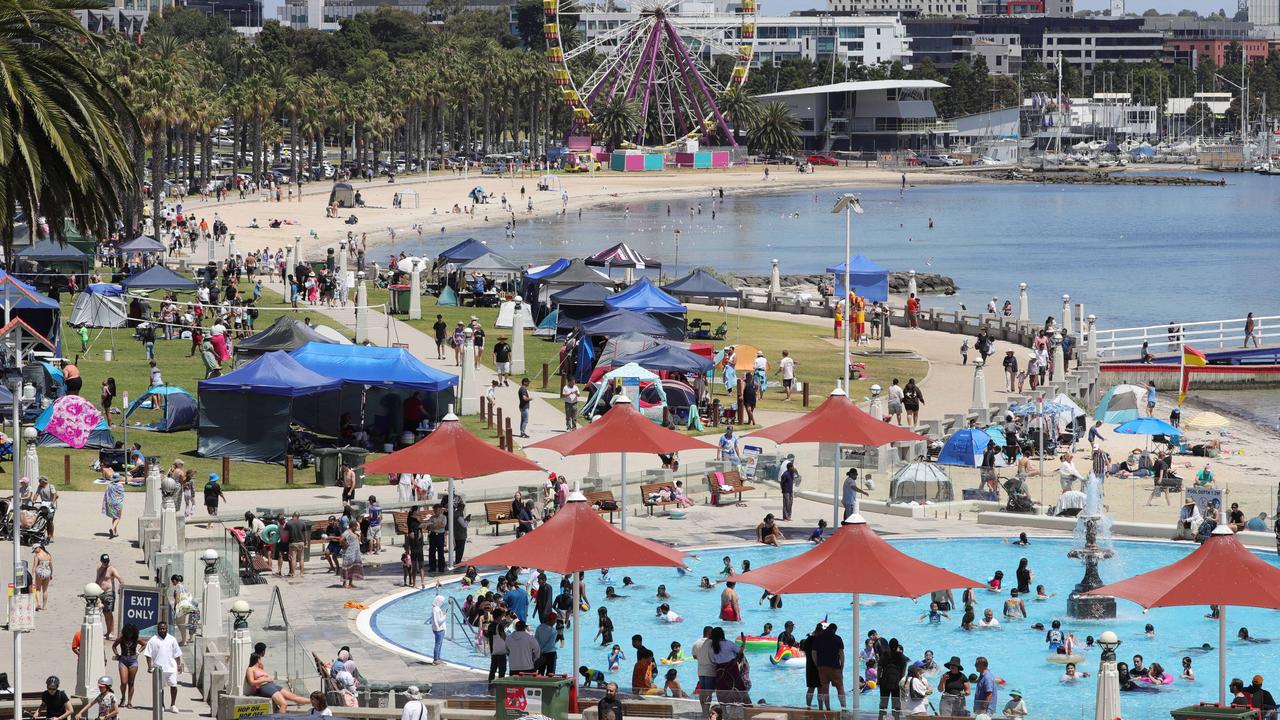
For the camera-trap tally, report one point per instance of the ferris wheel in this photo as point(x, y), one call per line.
point(657, 53)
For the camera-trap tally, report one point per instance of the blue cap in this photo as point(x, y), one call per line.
point(213, 477)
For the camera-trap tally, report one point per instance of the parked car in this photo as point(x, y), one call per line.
point(823, 160)
point(938, 161)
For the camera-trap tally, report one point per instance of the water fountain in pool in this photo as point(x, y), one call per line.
point(1092, 525)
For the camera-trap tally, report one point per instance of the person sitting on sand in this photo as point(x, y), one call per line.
point(770, 533)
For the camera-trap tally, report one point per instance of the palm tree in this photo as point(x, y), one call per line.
point(614, 120)
point(740, 108)
point(775, 131)
point(62, 134)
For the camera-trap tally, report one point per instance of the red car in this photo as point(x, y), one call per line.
point(822, 160)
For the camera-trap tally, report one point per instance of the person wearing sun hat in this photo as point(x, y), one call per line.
point(954, 687)
point(1188, 520)
point(1015, 708)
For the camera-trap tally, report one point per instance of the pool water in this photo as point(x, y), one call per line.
point(1015, 651)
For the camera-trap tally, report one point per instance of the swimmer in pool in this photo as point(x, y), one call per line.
point(934, 616)
point(611, 594)
point(1149, 632)
point(1014, 608)
point(1243, 634)
point(662, 593)
point(988, 620)
point(1070, 674)
point(1187, 672)
point(667, 615)
point(1022, 540)
point(604, 577)
point(706, 583)
point(996, 580)
point(627, 582)
point(966, 622)
point(1203, 649)
point(1041, 595)
point(727, 570)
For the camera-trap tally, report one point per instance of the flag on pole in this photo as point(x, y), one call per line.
point(1191, 357)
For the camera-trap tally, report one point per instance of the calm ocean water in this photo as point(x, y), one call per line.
point(1133, 255)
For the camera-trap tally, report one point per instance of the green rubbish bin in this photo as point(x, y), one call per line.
point(1213, 711)
point(328, 460)
point(399, 299)
point(520, 695)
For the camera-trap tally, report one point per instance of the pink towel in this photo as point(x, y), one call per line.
point(73, 420)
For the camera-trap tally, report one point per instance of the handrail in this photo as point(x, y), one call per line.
point(1204, 334)
point(458, 618)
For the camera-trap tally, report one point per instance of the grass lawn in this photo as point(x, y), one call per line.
point(131, 372)
point(818, 357)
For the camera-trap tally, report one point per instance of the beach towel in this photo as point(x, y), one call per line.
point(113, 501)
point(73, 420)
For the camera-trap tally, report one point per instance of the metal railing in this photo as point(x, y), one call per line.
point(1205, 335)
point(458, 621)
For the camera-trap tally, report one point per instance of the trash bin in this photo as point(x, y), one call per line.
point(520, 695)
point(1212, 711)
point(328, 460)
point(399, 299)
point(355, 457)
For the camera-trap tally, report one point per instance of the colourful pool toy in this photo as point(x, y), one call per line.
point(788, 656)
point(757, 642)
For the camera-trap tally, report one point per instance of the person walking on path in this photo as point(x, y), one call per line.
point(439, 329)
point(524, 399)
point(352, 566)
point(1250, 331)
point(787, 367)
point(502, 360)
point(212, 494)
point(163, 651)
point(42, 561)
point(298, 531)
point(787, 482)
point(113, 503)
point(912, 399)
point(1151, 398)
point(1010, 365)
point(569, 393)
point(895, 401)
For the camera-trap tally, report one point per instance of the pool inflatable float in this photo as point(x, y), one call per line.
point(788, 656)
point(1165, 679)
point(1064, 659)
point(757, 642)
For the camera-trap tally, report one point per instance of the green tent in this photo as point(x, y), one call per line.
point(448, 298)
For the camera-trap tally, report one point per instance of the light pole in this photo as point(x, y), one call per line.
point(1107, 704)
point(91, 659)
point(241, 643)
point(211, 601)
point(850, 205)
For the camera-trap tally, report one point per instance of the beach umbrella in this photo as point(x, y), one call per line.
point(837, 420)
point(1207, 421)
point(574, 540)
point(1122, 403)
point(1042, 408)
point(1148, 426)
point(1220, 572)
point(622, 429)
point(854, 561)
point(964, 448)
point(450, 450)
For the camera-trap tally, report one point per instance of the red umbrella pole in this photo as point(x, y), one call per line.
point(835, 490)
point(577, 637)
point(1222, 654)
point(855, 688)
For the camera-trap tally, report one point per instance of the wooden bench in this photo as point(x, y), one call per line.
point(498, 513)
point(604, 498)
point(401, 520)
point(733, 480)
point(640, 708)
point(251, 563)
point(649, 493)
point(749, 712)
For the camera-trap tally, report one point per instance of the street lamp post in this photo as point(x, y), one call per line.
point(1107, 705)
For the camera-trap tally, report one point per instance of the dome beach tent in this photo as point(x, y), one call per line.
point(174, 410)
point(286, 333)
point(101, 305)
point(274, 390)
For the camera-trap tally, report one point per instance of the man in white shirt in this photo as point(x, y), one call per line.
point(163, 651)
point(570, 396)
point(787, 366)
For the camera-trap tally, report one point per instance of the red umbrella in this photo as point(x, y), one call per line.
point(857, 561)
point(837, 420)
point(450, 450)
point(1220, 572)
point(622, 430)
point(577, 539)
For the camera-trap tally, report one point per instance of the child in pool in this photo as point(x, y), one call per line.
point(767, 630)
point(605, 631)
point(872, 675)
point(1187, 672)
point(611, 594)
point(677, 654)
point(627, 582)
point(662, 593)
point(667, 615)
point(746, 566)
point(1149, 632)
point(996, 581)
point(706, 583)
point(469, 578)
point(604, 577)
point(671, 688)
point(1041, 595)
point(727, 570)
point(591, 677)
point(816, 536)
point(616, 656)
point(775, 601)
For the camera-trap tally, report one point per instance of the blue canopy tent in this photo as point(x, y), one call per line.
point(700, 283)
point(465, 251)
point(645, 297)
point(276, 391)
point(158, 277)
point(176, 408)
point(99, 438)
point(142, 243)
point(376, 382)
point(869, 280)
point(668, 357)
point(619, 322)
point(964, 448)
point(546, 271)
point(579, 302)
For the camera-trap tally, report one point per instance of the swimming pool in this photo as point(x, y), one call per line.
point(1016, 652)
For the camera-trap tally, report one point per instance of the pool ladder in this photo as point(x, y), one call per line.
point(458, 619)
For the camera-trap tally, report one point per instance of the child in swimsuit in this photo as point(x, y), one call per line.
point(616, 657)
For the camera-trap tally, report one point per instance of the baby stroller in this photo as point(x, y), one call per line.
point(36, 531)
point(1019, 500)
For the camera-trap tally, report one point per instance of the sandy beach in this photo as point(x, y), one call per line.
point(438, 194)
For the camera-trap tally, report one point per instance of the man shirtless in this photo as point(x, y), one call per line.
point(109, 579)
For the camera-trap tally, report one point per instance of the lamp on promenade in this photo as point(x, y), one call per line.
point(1107, 705)
point(211, 601)
point(850, 205)
point(92, 659)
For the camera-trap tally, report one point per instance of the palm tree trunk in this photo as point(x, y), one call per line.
point(158, 135)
